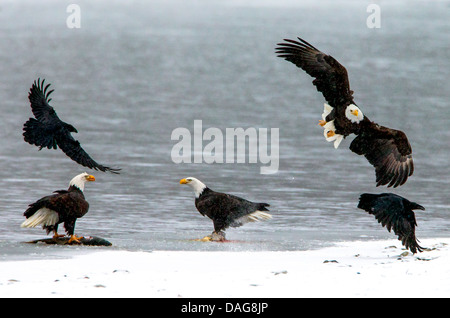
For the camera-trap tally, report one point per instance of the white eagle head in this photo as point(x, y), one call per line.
point(354, 114)
point(79, 180)
point(195, 184)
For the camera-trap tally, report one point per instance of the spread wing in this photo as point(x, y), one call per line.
point(331, 77)
point(41, 130)
point(388, 150)
point(74, 151)
point(390, 210)
point(39, 99)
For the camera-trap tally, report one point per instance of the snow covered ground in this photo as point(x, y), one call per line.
point(349, 269)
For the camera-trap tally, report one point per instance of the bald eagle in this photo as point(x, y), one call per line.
point(396, 213)
point(65, 206)
point(388, 150)
point(46, 130)
point(225, 210)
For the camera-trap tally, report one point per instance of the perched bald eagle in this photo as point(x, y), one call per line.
point(47, 130)
point(388, 150)
point(224, 210)
point(65, 206)
point(394, 212)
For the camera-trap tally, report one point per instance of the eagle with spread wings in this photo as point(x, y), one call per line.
point(388, 150)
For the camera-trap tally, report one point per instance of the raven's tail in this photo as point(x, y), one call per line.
point(34, 133)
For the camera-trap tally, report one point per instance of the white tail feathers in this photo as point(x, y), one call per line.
point(44, 217)
point(338, 140)
point(257, 216)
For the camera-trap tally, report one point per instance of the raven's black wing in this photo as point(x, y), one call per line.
point(393, 212)
point(39, 99)
point(74, 151)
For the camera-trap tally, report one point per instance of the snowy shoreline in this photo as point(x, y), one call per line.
point(348, 269)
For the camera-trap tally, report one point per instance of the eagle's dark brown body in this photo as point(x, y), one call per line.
point(225, 209)
point(68, 204)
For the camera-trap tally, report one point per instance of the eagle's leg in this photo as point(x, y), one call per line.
point(69, 225)
point(322, 122)
point(54, 229)
point(218, 236)
point(56, 235)
point(74, 238)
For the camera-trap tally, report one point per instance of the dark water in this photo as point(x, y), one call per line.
point(135, 72)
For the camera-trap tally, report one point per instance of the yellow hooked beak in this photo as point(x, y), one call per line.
point(355, 112)
point(184, 181)
point(90, 178)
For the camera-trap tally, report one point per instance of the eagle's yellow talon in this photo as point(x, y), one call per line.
point(74, 238)
point(206, 239)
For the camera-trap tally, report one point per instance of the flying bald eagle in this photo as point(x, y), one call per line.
point(394, 212)
point(47, 130)
point(388, 150)
point(224, 210)
point(65, 206)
